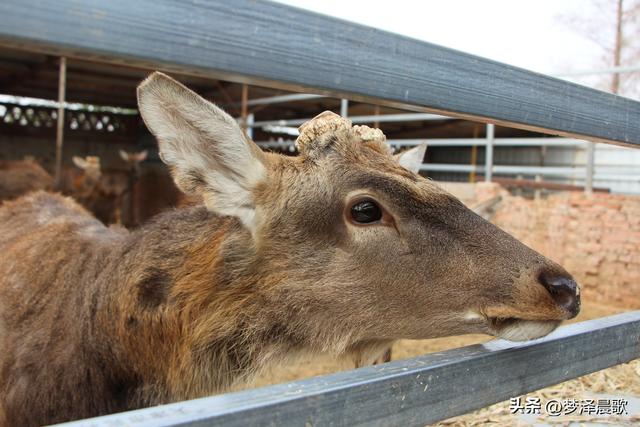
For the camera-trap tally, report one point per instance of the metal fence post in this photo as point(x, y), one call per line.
point(591, 151)
point(344, 107)
point(244, 107)
point(250, 120)
point(62, 89)
point(488, 159)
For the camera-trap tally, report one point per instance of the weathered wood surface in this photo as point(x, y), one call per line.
point(260, 42)
point(411, 392)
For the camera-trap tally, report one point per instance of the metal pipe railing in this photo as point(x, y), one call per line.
point(463, 142)
point(587, 172)
point(385, 118)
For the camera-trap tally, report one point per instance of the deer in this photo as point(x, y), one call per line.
point(340, 250)
point(122, 187)
point(19, 177)
point(83, 181)
point(106, 193)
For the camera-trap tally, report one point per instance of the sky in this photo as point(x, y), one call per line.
point(525, 33)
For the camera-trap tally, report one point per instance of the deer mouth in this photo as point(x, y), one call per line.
point(517, 329)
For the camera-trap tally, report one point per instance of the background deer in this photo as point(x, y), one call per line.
point(85, 180)
point(110, 194)
point(96, 320)
point(18, 177)
point(123, 187)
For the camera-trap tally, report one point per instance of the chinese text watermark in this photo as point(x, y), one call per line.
point(557, 407)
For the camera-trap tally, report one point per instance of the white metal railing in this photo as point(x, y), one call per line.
point(581, 172)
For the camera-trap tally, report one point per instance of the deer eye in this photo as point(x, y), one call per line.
point(366, 211)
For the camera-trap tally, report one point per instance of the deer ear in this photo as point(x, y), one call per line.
point(79, 162)
point(412, 159)
point(206, 150)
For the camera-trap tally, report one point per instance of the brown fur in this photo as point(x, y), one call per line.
point(111, 194)
point(96, 320)
point(19, 177)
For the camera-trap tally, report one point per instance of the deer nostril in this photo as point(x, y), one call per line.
point(564, 291)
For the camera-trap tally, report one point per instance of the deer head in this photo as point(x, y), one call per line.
point(133, 160)
point(358, 248)
point(90, 165)
point(92, 172)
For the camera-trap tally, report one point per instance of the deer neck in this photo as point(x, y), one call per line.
point(192, 304)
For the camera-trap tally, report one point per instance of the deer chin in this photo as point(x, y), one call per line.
point(514, 329)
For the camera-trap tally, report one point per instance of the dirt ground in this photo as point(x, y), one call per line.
point(623, 379)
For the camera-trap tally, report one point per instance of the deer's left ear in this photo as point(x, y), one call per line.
point(207, 152)
point(412, 159)
point(79, 162)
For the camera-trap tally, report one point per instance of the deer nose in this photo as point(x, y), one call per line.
point(564, 291)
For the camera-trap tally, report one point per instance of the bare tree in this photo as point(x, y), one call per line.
point(614, 26)
point(617, 48)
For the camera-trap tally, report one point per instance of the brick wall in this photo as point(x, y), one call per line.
point(595, 237)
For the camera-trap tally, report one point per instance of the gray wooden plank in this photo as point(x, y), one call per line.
point(267, 43)
point(410, 392)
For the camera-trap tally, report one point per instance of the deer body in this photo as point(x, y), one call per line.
point(136, 296)
point(340, 250)
point(19, 177)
